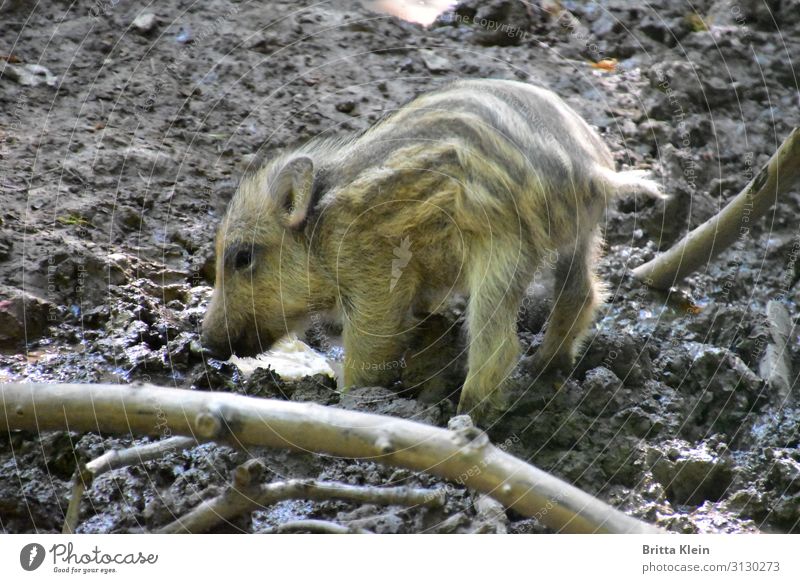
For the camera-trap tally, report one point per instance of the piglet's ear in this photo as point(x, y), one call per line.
point(292, 188)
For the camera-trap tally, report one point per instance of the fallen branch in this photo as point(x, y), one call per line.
point(705, 242)
point(245, 494)
point(112, 460)
point(465, 455)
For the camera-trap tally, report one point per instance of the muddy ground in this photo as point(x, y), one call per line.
point(118, 159)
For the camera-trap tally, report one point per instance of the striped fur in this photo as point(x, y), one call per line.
point(463, 190)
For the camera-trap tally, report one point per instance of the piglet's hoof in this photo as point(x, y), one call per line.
point(485, 411)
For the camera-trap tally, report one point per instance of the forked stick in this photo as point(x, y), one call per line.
point(112, 460)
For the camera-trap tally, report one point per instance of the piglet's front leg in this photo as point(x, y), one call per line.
point(375, 338)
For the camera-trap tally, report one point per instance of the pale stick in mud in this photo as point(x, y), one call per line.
point(245, 494)
point(112, 460)
point(318, 527)
point(464, 455)
point(705, 242)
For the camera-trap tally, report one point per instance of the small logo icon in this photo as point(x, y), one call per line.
point(402, 256)
point(31, 556)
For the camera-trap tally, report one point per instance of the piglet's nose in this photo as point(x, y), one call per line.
point(219, 348)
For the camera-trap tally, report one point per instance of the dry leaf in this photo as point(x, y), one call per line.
point(609, 65)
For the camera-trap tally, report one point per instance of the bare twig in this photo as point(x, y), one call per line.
point(240, 498)
point(114, 459)
point(138, 454)
point(705, 242)
point(79, 485)
point(465, 456)
point(318, 526)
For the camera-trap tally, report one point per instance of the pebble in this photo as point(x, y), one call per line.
point(145, 22)
point(434, 62)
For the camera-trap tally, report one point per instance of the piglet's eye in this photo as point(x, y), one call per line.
point(243, 259)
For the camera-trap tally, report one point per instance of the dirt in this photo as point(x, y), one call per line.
point(119, 156)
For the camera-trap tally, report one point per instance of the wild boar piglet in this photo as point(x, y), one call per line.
point(462, 191)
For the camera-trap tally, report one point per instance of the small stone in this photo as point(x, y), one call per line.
point(435, 63)
point(776, 364)
point(346, 106)
point(145, 22)
point(30, 75)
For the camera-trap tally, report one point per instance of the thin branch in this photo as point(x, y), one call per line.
point(239, 499)
point(705, 242)
point(464, 456)
point(73, 514)
point(138, 454)
point(114, 459)
point(318, 526)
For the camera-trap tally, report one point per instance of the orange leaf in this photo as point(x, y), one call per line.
point(609, 65)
